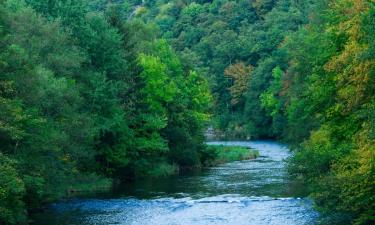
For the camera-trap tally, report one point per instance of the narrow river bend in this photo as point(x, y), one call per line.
point(253, 192)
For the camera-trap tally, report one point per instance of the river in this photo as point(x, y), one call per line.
point(254, 192)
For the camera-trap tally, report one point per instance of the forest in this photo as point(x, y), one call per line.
point(93, 92)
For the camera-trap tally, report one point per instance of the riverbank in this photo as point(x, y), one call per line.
point(232, 193)
point(213, 155)
point(219, 154)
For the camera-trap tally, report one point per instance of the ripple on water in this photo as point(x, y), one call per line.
point(253, 192)
point(223, 209)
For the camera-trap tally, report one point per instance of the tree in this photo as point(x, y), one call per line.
point(240, 74)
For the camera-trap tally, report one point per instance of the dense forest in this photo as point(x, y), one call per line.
point(86, 95)
point(95, 91)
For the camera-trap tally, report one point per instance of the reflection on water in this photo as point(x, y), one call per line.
point(247, 192)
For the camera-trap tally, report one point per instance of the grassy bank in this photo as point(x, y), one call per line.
point(218, 154)
point(88, 184)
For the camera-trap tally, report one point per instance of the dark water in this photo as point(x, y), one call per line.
point(248, 192)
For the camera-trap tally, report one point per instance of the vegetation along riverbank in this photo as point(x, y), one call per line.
point(123, 90)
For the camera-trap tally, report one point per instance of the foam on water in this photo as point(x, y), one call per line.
point(247, 192)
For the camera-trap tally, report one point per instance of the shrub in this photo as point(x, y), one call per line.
point(12, 190)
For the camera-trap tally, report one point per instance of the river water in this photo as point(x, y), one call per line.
point(254, 192)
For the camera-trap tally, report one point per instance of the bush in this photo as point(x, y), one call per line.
point(12, 190)
point(340, 176)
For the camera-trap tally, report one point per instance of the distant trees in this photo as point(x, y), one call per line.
point(295, 70)
point(222, 33)
point(240, 75)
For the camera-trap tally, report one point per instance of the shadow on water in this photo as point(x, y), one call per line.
point(246, 192)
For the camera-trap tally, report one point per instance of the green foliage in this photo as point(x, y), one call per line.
point(154, 75)
point(310, 84)
point(86, 93)
point(332, 98)
point(91, 88)
point(229, 40)
point(12, 191)
point(183, 103)
point(269, 101)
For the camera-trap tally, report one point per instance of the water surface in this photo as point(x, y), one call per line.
point(246, 192)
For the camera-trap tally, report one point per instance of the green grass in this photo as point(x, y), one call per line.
point(218, 154)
